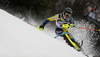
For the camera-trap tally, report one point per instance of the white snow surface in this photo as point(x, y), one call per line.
point(19, 39)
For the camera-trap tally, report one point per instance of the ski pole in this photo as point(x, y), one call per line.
point(88, 28)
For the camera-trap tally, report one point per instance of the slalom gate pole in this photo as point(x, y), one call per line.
point(89, 28)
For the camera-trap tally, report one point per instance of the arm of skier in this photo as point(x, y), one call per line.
point(72, 23)
point(53, 18)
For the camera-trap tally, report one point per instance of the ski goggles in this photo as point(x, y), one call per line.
point(67, 15)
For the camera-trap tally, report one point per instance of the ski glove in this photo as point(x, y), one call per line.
point(41, 27)
point(71, 25)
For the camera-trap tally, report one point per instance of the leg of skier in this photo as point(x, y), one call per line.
point(59, 31)
point(67, 41)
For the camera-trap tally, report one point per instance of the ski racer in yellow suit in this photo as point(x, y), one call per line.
point(63, 22)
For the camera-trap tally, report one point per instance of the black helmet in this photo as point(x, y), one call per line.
point(68, 10)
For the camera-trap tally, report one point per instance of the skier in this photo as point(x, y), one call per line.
point(63, 22)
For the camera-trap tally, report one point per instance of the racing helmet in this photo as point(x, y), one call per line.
point(67, 12)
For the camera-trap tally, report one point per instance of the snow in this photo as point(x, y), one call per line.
point(19, 39)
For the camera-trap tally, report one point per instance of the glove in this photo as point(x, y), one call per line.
point(65, 26)
point(41, 27)
point(71, 25)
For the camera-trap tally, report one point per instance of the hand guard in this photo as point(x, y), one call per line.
point(65, 26)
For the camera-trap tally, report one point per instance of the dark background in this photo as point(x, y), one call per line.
point(46, 8)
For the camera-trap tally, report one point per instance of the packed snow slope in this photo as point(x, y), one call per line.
point(19, 39)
